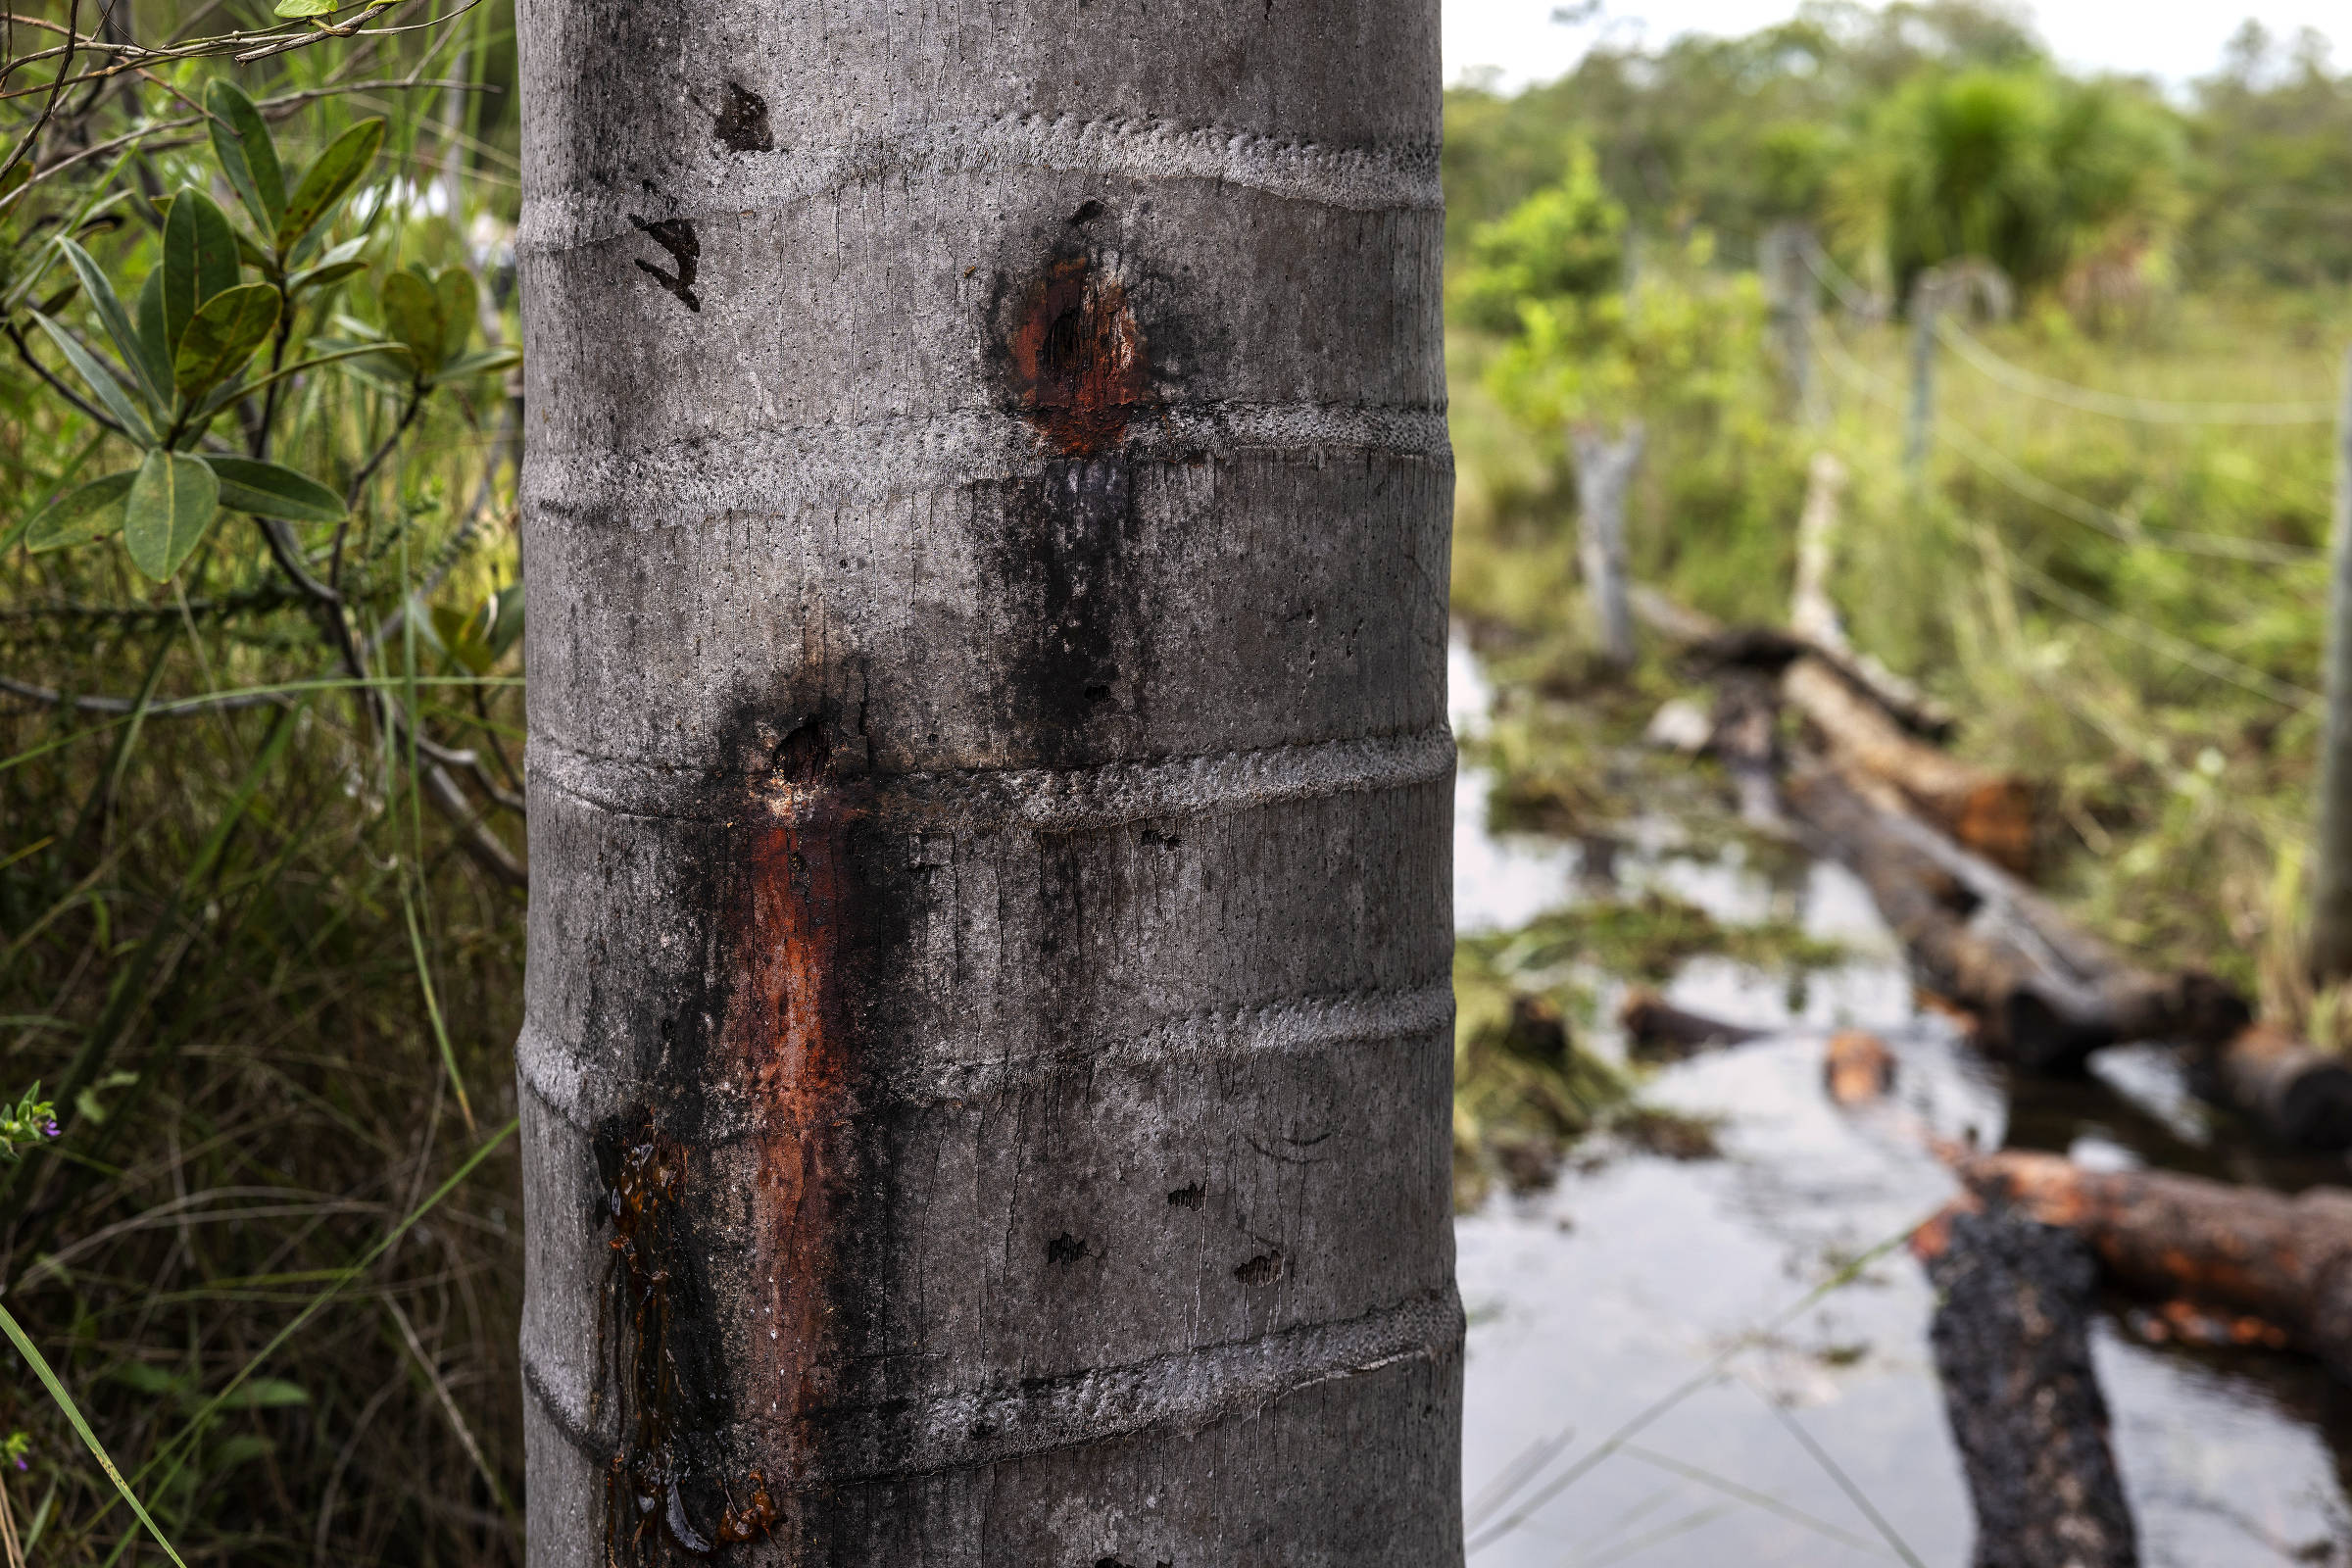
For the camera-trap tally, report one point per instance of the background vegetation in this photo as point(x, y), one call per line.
point(2116, 582)
point(259, 932)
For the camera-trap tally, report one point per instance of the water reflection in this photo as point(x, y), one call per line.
point(1591, 1301)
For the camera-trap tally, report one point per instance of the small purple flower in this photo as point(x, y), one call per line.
point(21, 1464)
point(49, 1128)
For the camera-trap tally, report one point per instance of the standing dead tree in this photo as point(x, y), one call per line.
point(1606, 467)
point(2331, 953)
point(989, 1039)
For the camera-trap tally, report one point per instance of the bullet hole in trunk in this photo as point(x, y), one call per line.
point(1263, 1269)
point(742, 121)
point(1075, 357)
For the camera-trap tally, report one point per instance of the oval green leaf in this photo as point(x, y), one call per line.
point(200, 259)
point(413, 318)
point(248, 156)
point(172, 500)
point(456, 291)
point(273, 490)
point(324, 183)
point(89, 511)
point(154, 343)
point(222, 338)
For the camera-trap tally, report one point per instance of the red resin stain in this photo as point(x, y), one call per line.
point(785, 1034)
point(1077, 358)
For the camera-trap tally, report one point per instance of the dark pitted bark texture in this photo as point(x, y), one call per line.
point(988, 1055)
point(2012, 1340)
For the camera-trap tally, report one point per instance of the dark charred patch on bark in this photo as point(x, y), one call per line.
point(1074, 356)
point(1263, 1269)
point(669, 1487)
point(741, 123)
point(742, 1253)
point(1192, 1197)
point(675, 235)
point(1065, 1250)
point(1072, 606)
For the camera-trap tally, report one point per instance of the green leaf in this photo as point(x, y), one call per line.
point(320, 276)
point(243, 1448)
point(146, 1379)
point(456, 291)
point(155, 345)
point(115, 321)
point(271, 490)
point(412, 313)
point(84, 513)
point(200, 259)
point(345, 160)
point(101, 380)
point(171, 504)
point(481, 361)
point(332, 268)
point(252, 256)
point(247, 157)
point(264, 1393)
point(222, 336)
point(305, 8)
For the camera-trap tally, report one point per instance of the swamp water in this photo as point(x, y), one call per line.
point(1647, 1381)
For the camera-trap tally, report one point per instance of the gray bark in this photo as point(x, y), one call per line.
point(987, 1053)
point(1604, 477)
point(2331, 855)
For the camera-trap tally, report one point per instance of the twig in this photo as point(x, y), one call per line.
point(57, 87)
point(101, 704)
point(87, 408)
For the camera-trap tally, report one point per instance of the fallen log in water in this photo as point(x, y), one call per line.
point(2274, 1262)
point(1856, 1067)
point(1711, 644)
point(2045, 993)
point(2012, 1345)
point(2292, 1089)
point(1991, 813)
point(2044, 1006)
point(2039, 989)
point(1747, 743)
point(1654, 1023)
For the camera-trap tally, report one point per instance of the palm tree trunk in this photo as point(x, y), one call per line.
point(989, 1040)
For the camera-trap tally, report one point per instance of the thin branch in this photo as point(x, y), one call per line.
point(88, 409)
point(174, 708)
point(65, 67)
